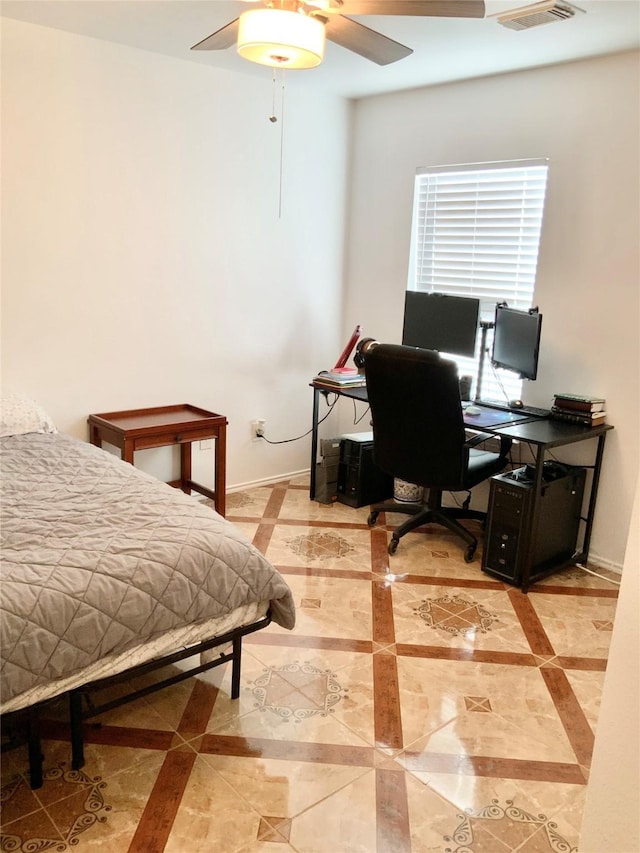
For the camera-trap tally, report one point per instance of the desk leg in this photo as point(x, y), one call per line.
point(532, 521)
point(314, 443)
point(221, 473)
point(592, 497)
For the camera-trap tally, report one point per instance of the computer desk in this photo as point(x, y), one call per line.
point(540, 433)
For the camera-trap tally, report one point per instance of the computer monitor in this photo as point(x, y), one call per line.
point(441, 322)
point(516, 341)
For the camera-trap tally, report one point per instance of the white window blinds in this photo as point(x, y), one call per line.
point(476, 230)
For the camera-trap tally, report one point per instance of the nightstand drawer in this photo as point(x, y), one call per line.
point(176, 436)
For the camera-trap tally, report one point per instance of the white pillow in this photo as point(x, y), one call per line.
point(19, 414)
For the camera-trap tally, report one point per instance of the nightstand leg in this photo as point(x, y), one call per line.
point(127, 451)
point(185, 467)
point(221, 471)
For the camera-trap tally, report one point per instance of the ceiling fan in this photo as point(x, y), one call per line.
point(291, 33)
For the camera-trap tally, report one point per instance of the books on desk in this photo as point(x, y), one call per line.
point(341, 378)
point(575, 409)
point(574, 402)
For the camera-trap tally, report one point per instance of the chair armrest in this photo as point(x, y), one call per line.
point(480, 437)
point(477, 438)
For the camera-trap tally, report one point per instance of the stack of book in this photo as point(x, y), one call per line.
point(341, 377)
point(578, 410)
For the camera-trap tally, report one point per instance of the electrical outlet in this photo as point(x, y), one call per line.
point(207, 444)
point(257, 428)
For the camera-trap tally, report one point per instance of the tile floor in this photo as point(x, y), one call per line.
point(418, 705)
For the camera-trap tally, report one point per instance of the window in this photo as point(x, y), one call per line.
point(475, 232)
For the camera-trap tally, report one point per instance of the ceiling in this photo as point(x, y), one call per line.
point(445, 49)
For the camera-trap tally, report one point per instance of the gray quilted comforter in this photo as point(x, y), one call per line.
point(97, 556)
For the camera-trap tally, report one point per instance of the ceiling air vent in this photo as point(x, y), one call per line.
point(539, 13)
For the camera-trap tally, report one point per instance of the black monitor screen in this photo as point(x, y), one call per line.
point(516, 341)
point(441, 322)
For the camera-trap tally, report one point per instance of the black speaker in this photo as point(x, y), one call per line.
point(508, 533)
point(360, 481)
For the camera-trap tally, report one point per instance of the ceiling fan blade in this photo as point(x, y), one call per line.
point(364, 41)
point(416, 8)
point(221, 39)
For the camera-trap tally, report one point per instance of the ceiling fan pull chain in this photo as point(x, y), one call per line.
point(282, 72)
point(273, 117)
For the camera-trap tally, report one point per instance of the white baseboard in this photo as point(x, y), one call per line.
point(596, 560)
point(266, 481)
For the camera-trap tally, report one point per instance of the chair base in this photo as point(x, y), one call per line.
point(431, 512)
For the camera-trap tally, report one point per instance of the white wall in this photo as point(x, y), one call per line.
point(144, 262)
point(583, 116)
point(611, 818)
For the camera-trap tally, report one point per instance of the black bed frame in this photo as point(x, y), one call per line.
point(30, 717)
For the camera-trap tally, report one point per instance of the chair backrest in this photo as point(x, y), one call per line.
point(418, 430)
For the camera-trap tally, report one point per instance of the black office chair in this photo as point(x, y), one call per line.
point(419, 436)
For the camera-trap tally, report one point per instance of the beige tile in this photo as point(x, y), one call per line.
point(212, 816)
point(538, 817)
point(587, 687)
point(33, 832)
point(275, 846)
point(479, 710)
point(437, 825)
point(249, 529)
point(106, 761)
point(341, 822)
point(297, 505)
point(330, 607)
point(301, 480)
point(576, 625)
point(249, 502)
point(305, 695)
point(320, 547)
point(434, 552)
point(456, 617)
point(499, 815)
point(124, 795)
point(134, 715)
point(283, 788)
point(546, 800)
point(17, 798)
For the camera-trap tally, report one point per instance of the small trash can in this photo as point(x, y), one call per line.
point(404, 492)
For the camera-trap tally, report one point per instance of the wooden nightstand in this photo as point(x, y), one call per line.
point(140, 429)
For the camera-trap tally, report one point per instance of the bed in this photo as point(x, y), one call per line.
point(106, 571)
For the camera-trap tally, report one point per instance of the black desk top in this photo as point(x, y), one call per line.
point(357, 393)
point(542, 431)
point(551, 432)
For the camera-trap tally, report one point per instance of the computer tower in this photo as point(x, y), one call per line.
point(360, 481)
point(326, 490)
point(508, 533)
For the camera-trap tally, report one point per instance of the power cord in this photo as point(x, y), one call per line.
point(356, 420)
point(596, 575)
point(499, 381)
point(304, 434)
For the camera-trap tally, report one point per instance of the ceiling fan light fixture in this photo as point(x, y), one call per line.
point(281, 38)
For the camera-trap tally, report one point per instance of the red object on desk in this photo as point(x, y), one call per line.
point(346, 352)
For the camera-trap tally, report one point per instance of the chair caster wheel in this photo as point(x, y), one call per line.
point(469, 553)
point(393, 546)
point(373, 517)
